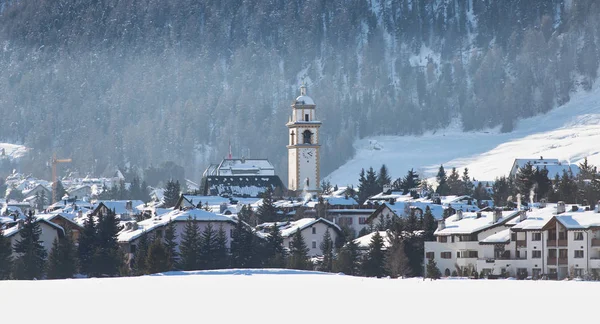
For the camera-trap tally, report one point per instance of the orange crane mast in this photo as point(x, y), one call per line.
point(55, 161)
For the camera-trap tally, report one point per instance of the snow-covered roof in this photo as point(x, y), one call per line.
point(289, 228)
point(16, 228)
point(249, 167)
point(304, 100)
point(399, 208)
point(120, 206)
point(472, 222)
point(198, 215)
point(498, 238)
point(364, 241)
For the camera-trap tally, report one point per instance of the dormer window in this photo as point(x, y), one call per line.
point(307, 136)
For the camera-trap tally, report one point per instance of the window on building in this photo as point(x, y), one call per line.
point(562, 235)
point(362, 220)
point(578, 273)
point(473, 254)
point(443, 239)
point(578, 254)
point(578, 236)
point(314, 244)
point(447, 272)
point(536, 254)
point(513, 236)
point(430, 255)
point(305, 117)
point(290, 244)
point(446, 255)
point(563, 253)
point(314, 230)
point(552, 253)
point(536, 236)
point(306, 135)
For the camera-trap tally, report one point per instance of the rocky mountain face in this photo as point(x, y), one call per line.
point(140, 82)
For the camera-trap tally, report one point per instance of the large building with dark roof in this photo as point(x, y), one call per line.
point(240, 178)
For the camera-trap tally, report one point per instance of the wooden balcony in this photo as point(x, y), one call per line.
point(551, 243)
point(562, 242)
point(521, 243)
point(596, 242)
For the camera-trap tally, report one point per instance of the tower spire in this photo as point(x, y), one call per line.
point(303, 89)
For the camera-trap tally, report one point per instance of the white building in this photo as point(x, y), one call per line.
point(303, 145)
point(50, 232)
point(312, 230)
point(554, 166)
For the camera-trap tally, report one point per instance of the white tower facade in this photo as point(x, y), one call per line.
point(303, 146)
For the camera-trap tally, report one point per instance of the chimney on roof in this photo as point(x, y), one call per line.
point(459, 214)
point(522, 215)
point(560, 207)
point(129, 205)
point(478, 215)
point(497, 215)
point(597, 208)
point(543, 203)
point(441, 224)
point(387, 189)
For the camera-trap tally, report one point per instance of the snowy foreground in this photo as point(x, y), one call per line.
point(568, 133)
point(284, 296)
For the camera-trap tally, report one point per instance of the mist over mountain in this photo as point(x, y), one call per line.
point(116, 82)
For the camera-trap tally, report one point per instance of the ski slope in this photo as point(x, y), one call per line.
point(264, 296)
point(569, 133)
point(13, 151)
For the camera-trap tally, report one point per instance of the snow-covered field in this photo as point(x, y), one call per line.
point(12, 150)
point(568, 133)
point(295, 297)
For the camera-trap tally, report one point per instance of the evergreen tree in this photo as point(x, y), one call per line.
point(455, 184)
point(140, 265)
point(501, 192)
point(467, 184)
point(347, 261)
point(367, 185)
point(443, 188)
point(298, 258)
point(40, 201)
point(87, 244)
point(221, 257)
point(396, 262)
point(243, 246)
point(325, 187)
point(525, 179)
point(5, 256)
point(144, 192)
point(157, 259)
point(190, 246)
point(267, 212)
point(567, 188)
point(433, 272)
point(171, 194)
point(274, 250)
point(362, 187)
point(383, 178)
point(171, 245)
point(135, 192)
point(208, 248)
point(62, 262)
point(429, 225)
point(31, 257)
point(542, 184)
point(107, 261)
point(327, 250)
point(60, 190)
point(374, 261)
point(586, 170)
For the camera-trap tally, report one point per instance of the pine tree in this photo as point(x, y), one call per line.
point(347, 261)
point(135, 192)
point(221, 257)
point(327, 250)
point(87, 244)
point(106, 260)
point(443, 189)
point(140, 266)
point(208, 247)
point(60, 190)
point(586, 170)
point(171, 194)
point(429, 225)
point(243, 246)
point(171, 245)
point(144, 192)
point(374, 261)
point(433, 272)
point(500, 191)
point(157, 259)
point(467, 184)
point(396, 262)
point(362, 187)
point(6, 260)
point(454, 183)
point(62, 262)
point(31, 257)
point(298, 258)
point(267, 212)
point(274, 250)
point(190, 246)
point(383, 178)
point(524, 180)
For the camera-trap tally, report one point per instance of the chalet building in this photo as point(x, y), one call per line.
point(64, 221)
point(240, 178)
point(355, 219)
point(124, 209)
point(554, 166)
point(128, 238)
point(555, 241)
point(38, 189)
point(312, 230)
point(50, 232)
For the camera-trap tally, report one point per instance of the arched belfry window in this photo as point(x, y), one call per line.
point(307, 136)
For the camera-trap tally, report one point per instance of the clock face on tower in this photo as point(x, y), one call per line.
point(308, 155)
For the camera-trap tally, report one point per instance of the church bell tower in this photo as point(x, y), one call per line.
point(303, 147)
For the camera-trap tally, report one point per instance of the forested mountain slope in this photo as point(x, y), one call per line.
point(114, 81)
